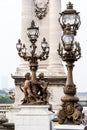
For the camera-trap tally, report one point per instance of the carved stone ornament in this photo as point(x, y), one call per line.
point(41, 8)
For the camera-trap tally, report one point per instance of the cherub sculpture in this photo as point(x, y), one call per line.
point(35, 92)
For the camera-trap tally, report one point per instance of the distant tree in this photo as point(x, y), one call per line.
point(6, 99)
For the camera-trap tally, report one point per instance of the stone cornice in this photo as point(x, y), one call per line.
point(58, 80)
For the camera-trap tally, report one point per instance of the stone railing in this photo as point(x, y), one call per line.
point(4, 108)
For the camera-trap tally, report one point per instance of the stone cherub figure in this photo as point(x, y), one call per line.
point(35, 92)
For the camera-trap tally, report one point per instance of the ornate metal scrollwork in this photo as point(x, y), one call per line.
point(70, 114)
point(41, 8)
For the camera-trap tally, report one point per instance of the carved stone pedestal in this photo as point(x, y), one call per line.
point(33, 117)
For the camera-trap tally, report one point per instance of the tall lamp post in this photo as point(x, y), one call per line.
point(34, 95)
point(70, 51)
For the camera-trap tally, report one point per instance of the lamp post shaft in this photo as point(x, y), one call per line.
point(33, 68)
point(69, 80)
point(33, 76)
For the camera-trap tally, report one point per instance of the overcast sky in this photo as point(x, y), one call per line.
point(10, 16)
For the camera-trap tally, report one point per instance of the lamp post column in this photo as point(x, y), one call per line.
point(69, 80)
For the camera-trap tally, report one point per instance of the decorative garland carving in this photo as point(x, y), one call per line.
point(41, 8)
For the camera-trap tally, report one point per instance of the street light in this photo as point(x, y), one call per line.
point(70, 16)
point(70, 51)
point(33, 58)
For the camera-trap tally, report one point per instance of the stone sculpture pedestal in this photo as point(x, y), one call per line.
point(33, 117)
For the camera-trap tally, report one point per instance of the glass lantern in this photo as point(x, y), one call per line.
point(24, 50)
point(44, 44)
point(19, 45)
point(33, 32)
point(70, 16)
point(67, 40)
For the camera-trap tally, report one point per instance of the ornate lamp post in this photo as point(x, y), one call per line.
point(70, 51)
point(34, 94)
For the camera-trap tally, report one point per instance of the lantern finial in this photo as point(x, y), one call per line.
point(69, 5)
